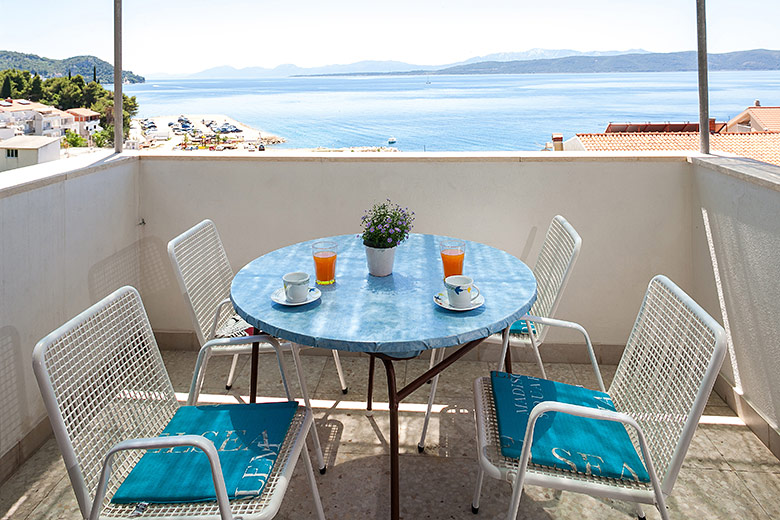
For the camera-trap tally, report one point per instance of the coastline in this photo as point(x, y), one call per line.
point(163, 136)
point(248, 139)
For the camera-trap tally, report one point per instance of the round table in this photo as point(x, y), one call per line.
point(393, 315)
point(389, 318)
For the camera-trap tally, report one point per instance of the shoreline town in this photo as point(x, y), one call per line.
point(212, 132)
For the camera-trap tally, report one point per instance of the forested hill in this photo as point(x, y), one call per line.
point(759, 59)
point(49, 68)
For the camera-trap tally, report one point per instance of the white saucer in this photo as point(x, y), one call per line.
point(279, 297)
point(442, 301)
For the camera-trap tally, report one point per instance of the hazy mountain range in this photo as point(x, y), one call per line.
point(757, 59)
point(527, 62)
point(228, 72)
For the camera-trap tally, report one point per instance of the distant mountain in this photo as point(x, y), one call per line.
point(758, 59)
point(49, 68)
point(374, 67)
point(544, 54)
point(227, 72)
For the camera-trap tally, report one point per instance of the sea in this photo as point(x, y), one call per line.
point(456, 112)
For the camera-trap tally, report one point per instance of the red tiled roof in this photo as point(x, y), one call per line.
point(16, 106)
point(762, 146)
point(768, 117)
point(82, 112)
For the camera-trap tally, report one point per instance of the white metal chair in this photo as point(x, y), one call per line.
point(204, 275)
point(552, 269)
point(109, 397)
point(667, 371)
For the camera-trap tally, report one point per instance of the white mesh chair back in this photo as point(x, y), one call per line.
point(667, 371)
point(552, 269)
point(204, 274)
point(103, 381)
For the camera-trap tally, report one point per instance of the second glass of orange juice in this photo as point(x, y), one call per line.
point(452, 254)
point(324, 253)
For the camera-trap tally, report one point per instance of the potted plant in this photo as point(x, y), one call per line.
point(385, 226)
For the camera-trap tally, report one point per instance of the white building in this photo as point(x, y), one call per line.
point(88, 121)
point(31, 118)
point(26, 150)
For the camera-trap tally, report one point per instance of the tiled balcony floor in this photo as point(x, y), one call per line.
point(728, 472)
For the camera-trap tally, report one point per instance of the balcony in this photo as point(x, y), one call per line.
point(74, 230)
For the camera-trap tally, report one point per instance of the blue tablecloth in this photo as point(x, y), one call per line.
point(394, 315)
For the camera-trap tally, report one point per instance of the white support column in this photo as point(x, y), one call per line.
point(704, 108)
point(118, 128)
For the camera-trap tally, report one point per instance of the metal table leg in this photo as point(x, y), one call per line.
point(253, 375)
point(370, 396)
point(395, 397)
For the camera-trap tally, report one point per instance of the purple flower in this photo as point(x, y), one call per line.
point(389, 240)
point(392, 231)
point(372, 229)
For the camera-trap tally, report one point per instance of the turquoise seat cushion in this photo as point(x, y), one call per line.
point(521, 327)
point(247, 437)
point(563, 441)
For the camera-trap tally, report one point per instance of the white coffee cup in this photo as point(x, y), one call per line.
point(461, 291)
point(296, 286)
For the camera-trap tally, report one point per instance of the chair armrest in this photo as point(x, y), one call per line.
point(591, 413)
point(217, 314)
point(242, 340)
point(553, 322)
point(197, 441)
point(227, 347)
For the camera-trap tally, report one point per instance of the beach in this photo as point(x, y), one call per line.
point(166, 134)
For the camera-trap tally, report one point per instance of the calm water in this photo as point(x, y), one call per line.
point(460, 113)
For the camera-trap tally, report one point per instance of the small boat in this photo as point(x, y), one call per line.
point(391, 140)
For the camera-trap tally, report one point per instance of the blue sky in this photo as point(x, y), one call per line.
point(176, 36)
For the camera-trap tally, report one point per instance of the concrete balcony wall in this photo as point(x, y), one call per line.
point(56, 231)
point(72, 231)
point(737, 203)
point(634, 215)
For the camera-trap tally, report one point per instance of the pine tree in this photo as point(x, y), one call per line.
point(5, 91)
point(94, 73)
point(36, 89)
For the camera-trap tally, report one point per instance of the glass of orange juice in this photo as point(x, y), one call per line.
point(452, 254)
point(324, 253)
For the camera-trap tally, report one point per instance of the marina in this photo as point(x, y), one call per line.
point(214, 132)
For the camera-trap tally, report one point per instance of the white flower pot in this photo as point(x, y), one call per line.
point(380, 261)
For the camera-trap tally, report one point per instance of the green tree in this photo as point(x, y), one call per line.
point(91, 93)
point(70, 97)
point(94, 73)
point(78, 80)
point(5, 90)
point(74, 140)
point(18, 83)
point(104, 137)
point(36, 89)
